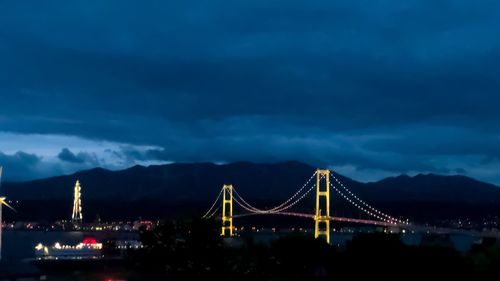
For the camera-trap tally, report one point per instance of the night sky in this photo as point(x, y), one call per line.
point(369, 88)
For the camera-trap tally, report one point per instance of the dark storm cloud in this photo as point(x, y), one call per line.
point(397, 86)
point(68, 156)
point(27, 166)
point(333, 150)
point(20, 163)
point(425, 140)
point(20, 157)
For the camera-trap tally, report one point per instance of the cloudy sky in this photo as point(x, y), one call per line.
point(370, 88)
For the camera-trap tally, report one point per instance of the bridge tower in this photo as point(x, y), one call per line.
point(227, 210)
point(77, 217)
point(322, 216)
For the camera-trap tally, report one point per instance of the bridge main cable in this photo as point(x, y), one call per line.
point(356, 198)
point(270, 211)
point(213, 205)
point(283, 206)
point(358, 206)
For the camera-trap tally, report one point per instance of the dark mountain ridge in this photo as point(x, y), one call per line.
point(277, 181)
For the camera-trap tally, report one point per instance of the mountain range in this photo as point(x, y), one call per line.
point(201, 182)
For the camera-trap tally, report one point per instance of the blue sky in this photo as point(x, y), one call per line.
point(369, 88)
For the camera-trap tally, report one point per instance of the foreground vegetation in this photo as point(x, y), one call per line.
point(194, 250)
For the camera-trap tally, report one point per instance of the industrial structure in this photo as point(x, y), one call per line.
point(77, 216)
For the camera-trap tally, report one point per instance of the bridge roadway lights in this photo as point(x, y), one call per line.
point(227, 210)
point(322, 222)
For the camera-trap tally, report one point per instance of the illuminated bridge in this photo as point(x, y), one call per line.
point(324, 182)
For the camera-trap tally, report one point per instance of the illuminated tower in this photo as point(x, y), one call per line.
point(227, 210)
point(322, 217)
point(77, 204)
point(2, 202)
point(2, 199)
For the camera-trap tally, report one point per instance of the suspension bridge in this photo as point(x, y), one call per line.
point(324, 182)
